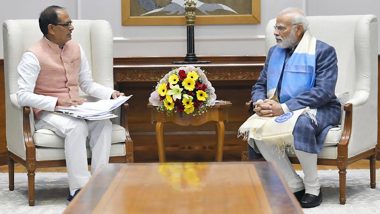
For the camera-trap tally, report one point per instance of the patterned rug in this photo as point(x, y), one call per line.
point(52, 190)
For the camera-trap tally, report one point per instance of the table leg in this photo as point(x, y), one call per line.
point(160, 141)
point(219, 146)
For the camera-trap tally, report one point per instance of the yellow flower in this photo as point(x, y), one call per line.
point(201, 95)
point(193, 75)
point(187, 102)
point(162, 89)
point(168, 102)
point(188, 84)
point(189, 110)
point(173, 79)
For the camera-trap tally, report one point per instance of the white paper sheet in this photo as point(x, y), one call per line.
point(98, 110)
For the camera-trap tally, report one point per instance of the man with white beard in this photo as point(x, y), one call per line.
point(300, 72)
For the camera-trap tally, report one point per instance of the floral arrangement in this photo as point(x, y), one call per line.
point(184, 89)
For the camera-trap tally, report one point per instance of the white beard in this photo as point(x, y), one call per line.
point(289, 42)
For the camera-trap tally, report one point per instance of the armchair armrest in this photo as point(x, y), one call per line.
point(124, 119)
point(346, 132)
point(14, 101)
point(28, 137)
point(359, 98)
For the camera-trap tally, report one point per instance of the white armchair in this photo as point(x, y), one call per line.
point(355, 40)
point(42, 148)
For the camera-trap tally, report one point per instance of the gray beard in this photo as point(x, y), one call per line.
point(289, 42)
point(285, 44)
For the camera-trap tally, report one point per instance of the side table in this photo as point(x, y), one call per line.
point(217, 113)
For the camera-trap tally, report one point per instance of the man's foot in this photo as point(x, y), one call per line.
point(71, 197)
point(309, 200)
point(299, 194)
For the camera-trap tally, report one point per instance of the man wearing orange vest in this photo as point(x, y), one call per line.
point(50, 75)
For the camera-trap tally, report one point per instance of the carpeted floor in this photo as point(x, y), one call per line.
point(51, 193)
point(361, 199)
point(52, 190)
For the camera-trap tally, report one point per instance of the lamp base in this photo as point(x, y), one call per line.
point(191, 58)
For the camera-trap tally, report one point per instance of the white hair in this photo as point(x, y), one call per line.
point(297, 16)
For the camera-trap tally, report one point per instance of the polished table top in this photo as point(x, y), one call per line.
point(226, 187)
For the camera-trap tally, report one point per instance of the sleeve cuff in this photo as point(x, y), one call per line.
point(258, 101)
point(52, 102)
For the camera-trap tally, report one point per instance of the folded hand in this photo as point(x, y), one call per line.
point(70, 101)
point(268, 108)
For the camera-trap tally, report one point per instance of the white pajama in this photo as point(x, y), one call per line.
point(76, 133)
point(308, 163)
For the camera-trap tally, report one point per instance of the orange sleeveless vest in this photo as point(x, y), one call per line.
point(59, 74)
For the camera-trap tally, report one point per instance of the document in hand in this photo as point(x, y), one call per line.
point(98, 110)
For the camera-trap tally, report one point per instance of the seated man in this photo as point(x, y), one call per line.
point(50, 74)
point(299, 72)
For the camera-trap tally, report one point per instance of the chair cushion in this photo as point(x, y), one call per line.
point(47, 138)
point(48, 154)
point(333, 136)
point(329, 149)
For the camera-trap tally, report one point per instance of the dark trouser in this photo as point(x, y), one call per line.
point(253, 155)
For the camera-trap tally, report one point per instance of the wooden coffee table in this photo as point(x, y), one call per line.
point(227, 187)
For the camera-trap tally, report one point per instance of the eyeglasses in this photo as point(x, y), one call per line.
point(66, 25)
point(281, 28)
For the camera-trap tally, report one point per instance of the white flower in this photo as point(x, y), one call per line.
point(175, 91)
point(187, 97)
point(154, 99)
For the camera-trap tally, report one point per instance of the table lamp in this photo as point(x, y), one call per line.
point(190, 58)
